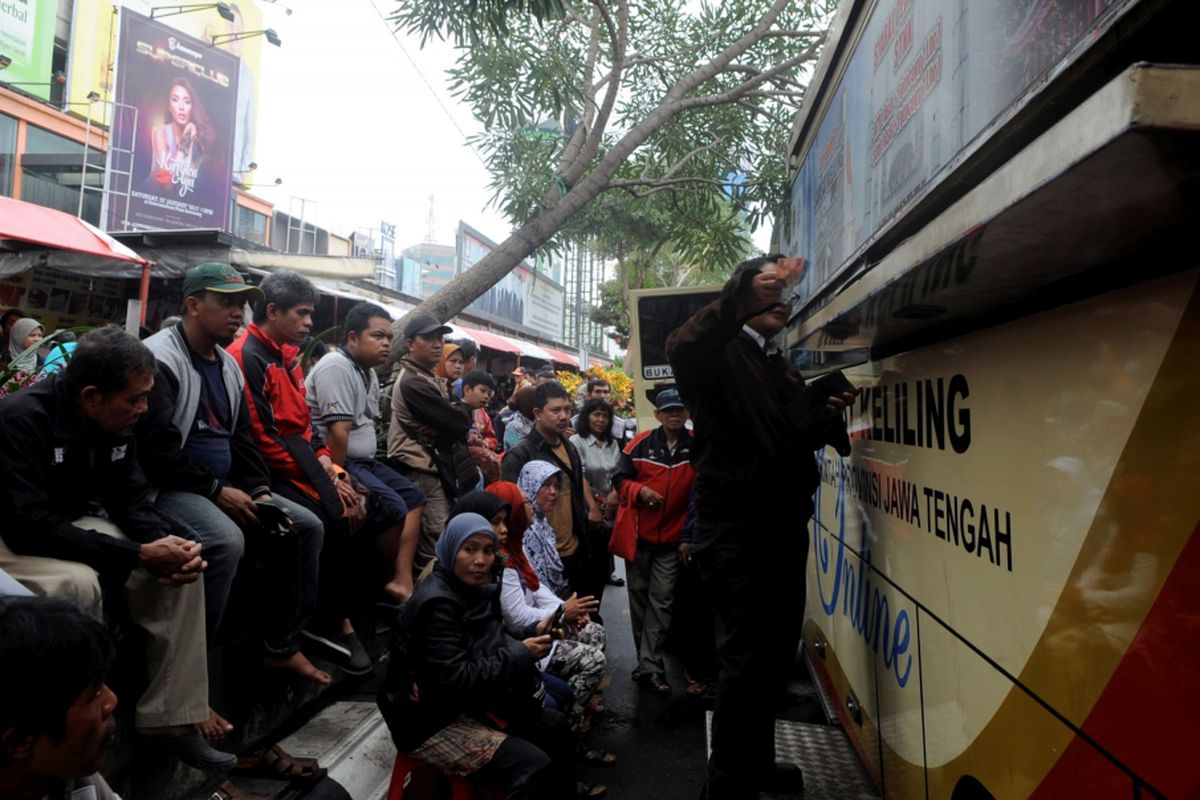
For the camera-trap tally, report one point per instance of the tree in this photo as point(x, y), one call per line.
point(670, 112)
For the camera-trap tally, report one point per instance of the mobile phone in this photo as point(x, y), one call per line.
point(272, 516)
point(557, 625)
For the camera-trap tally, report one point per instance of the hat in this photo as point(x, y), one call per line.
point(668, 399)
point(216, 277)
point(422, 324)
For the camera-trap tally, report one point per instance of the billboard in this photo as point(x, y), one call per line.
point(27, 37)
point(924, 80)
point(523, 297)
point(409, 279)
point(94, 52)
point(185, 93)
point(387, 251)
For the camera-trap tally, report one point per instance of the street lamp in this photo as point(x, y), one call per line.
point(169, 11)
point(225, 38)
point(276, 182)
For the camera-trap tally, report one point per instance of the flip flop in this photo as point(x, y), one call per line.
point(585, 789)
point(600, 758)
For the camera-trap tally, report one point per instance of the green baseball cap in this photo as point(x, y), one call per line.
point(214, 276)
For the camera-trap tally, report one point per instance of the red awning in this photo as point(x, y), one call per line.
point(27, 222)
point(563, 358)
point(491, 341)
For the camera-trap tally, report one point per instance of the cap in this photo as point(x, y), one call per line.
point(668, 399)
point(214, 276)
point(422, 324)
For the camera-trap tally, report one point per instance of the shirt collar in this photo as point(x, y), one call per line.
point(770, 348)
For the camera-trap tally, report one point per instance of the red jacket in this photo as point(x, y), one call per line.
point(648, 462)
point(279, 415)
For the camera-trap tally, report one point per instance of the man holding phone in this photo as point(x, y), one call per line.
point(195, 444)
point(756, 427)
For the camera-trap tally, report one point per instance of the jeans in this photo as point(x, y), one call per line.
point(535, 762)
point(755, 577)
point(291, 572)
point(393, 494)
point(222, 547)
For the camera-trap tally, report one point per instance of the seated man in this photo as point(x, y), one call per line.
point(56, 713)
point(300, 464)
point(426, 421)
point(195, 443)
point(343, 399)
point(67, 453)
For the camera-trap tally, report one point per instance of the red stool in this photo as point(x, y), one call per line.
point(415, 780)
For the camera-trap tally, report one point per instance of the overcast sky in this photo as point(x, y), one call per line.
point(346, 121)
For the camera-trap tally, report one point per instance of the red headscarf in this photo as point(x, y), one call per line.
point(518, 521)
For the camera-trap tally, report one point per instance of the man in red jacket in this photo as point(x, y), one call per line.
point(654, 481)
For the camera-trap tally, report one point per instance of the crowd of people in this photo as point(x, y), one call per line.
point(144, 477)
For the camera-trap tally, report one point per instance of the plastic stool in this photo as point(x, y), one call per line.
point(422, 779)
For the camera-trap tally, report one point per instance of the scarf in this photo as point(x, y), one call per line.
point(540, 543)
point(448, 350)
point(16, 344)
point(458, 530)
point(518, 521)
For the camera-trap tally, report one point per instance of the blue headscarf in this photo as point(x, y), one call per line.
point(459, 529)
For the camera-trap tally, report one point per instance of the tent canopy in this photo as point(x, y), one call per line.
point(33, 235)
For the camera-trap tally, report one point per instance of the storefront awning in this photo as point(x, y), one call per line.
point(35, 236)
point(492, 341)
point(561, 357)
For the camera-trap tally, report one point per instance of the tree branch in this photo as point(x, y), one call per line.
point(619, 32)
point(740, 91)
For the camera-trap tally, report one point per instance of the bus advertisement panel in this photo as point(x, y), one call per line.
point(922, 82)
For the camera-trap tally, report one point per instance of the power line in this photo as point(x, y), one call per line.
point(390, 29)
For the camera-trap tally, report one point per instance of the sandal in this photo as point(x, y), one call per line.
point(600, 758)
point(277, 763)
point(231, 791)
point(696, 688)
point(594, 707)
point(585, 789)
point(655, 682)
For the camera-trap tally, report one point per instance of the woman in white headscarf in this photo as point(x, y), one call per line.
point(26, 332)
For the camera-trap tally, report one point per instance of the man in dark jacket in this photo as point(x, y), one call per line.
point(756, 429)
point(195, 441)
point(427, 428)
point(576, 511)
point(66, 452)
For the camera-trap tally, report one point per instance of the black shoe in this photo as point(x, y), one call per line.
point(615, 580)
point(783, 778)
point(359, 662)
point(328, 644)
point(191, 749)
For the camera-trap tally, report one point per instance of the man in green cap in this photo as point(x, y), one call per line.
point(196, 446)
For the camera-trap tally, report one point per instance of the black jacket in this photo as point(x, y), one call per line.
point(161, 453)
point(452, 643)
point(534, 448)
point(56, 466)
point(754, 430)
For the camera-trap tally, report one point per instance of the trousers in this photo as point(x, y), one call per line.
point(754, 574)
point(534, 762)
point(651, 576)
point(176, 647)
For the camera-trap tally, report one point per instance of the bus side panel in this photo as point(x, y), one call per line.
point(1010, 758)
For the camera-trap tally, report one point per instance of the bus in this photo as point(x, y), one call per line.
point(653, 315)
point(997, 204)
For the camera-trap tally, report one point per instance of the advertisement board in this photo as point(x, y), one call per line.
point(409, 279)
point(523, 297)
point(27, 38)
point(185, 93)
point(94, 54)
point(924, 80)
point(387, 249)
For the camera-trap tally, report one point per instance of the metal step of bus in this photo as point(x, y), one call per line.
point(827, 704)
point(831, 767)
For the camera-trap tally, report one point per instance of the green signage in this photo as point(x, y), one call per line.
point(27, 40)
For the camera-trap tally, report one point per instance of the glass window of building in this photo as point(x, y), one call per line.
point(249, 224)
point(8, 153)
point(52, 170)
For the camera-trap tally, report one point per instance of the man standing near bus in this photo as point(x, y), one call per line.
point(756, 428)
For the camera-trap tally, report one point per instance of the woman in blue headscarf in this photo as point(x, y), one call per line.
point(460, 692)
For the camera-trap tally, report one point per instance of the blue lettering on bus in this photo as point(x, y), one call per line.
point(863, 603)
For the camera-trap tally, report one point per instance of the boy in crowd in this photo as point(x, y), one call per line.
point(343, 399)
point(481, 439)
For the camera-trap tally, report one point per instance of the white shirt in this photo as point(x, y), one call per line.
point(769, 347)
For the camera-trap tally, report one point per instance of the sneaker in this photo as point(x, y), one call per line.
point(191, 749)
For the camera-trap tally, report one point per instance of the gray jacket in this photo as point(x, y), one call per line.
point(171, 349)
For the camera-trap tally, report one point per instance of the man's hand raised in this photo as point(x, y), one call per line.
point(766, 290)
point(172, 560)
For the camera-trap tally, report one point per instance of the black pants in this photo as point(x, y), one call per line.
point(535, 762)
point(754, 575)
point(342, 591)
